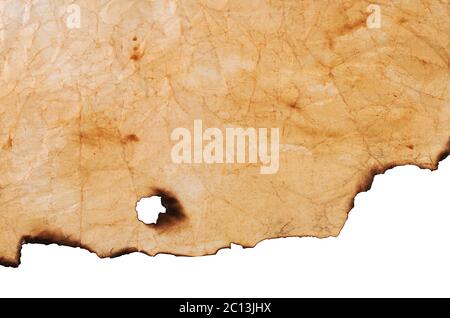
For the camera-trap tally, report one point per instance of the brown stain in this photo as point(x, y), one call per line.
point(410, 147)
point(293, 105)
point(402, 20)
point(137, 54)
point(135, 57)
point(331, 44)
point(423, 61)
point(8, 145)
point(130, 139)
point(95, 136)
point(135, 39)
point(350, 27)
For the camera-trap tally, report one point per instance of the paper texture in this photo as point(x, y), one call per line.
point(92, 93)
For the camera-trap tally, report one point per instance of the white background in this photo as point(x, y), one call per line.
point(395, 243)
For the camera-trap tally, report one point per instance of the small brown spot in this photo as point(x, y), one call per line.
point(137, 54)
point(8, 145)
point(422, 61)
point(135, 38)
point(130, 138)
point(293, 105)
point(410, 147)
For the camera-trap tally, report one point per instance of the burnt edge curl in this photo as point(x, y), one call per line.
point(49, 238)
point(366, 185)
point(45, 238)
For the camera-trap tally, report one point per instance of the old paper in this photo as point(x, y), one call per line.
point(104, 102)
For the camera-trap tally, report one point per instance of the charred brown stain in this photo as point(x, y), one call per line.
point(410, 146)
point(8, 263)
point(48, 237)
point(55, 237)
point(174, 214)
point(8, 145)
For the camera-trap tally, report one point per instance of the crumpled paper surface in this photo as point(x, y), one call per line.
point(87, 107)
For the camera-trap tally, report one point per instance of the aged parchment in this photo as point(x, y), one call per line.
point(91, 90)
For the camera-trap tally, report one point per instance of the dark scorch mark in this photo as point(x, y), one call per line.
point(367, 183)
point(174, 210)
point(47, 238)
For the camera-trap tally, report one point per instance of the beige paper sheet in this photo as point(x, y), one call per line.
point(91, 91)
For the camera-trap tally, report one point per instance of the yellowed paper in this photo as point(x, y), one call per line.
point(96, 96)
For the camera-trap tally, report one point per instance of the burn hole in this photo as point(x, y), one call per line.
point(149, 208)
